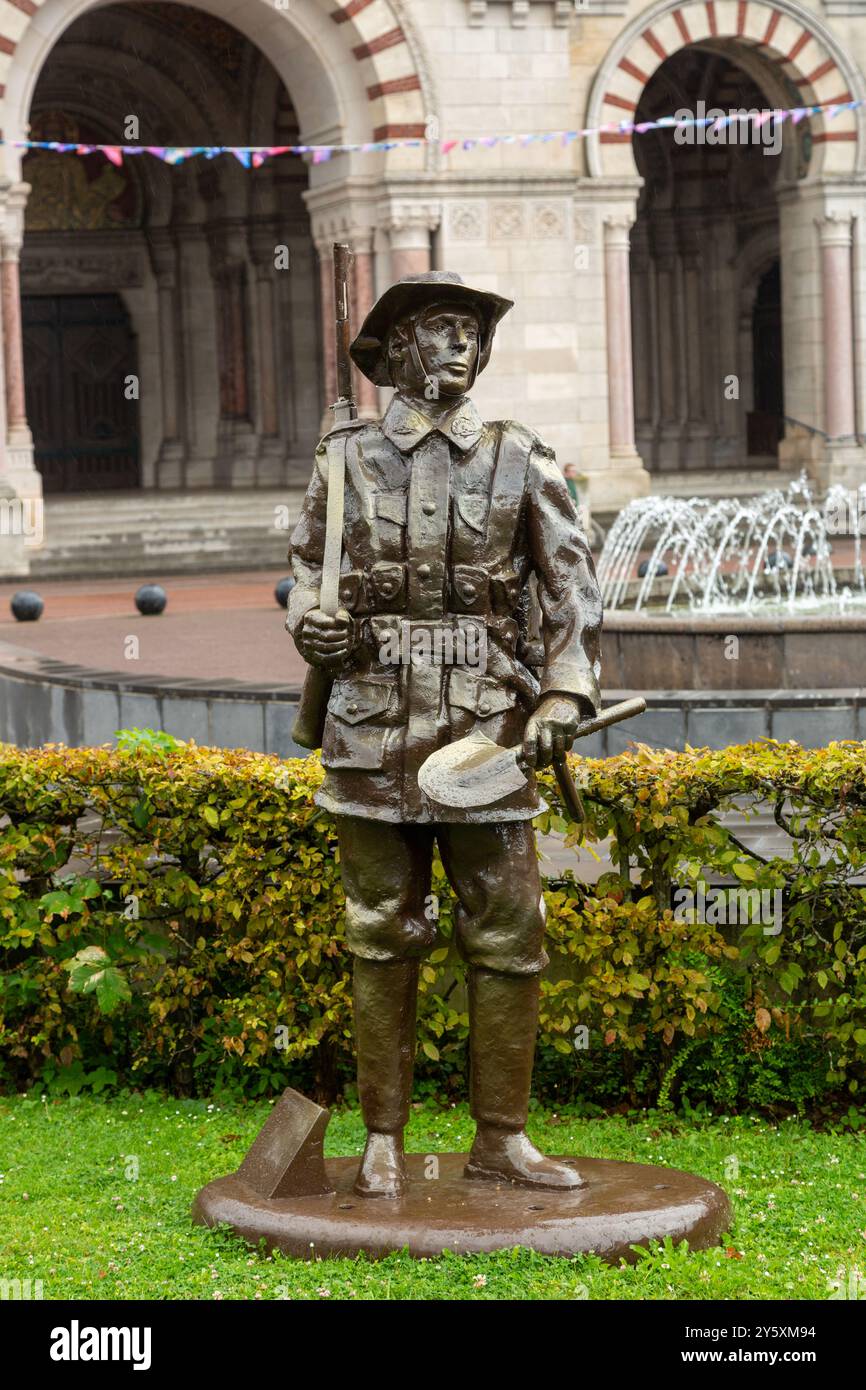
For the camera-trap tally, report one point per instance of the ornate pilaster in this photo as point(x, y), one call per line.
point(164, 259)
point(19, 465)
point(263, 244)
point(643, 339)
point(236, 444)
point(729, 437)
point(697, 433)
point(666, 256)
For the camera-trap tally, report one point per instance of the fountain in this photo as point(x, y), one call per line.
point(769, 553)
point(739, 618)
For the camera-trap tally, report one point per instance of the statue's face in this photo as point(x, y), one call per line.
point(448, 344)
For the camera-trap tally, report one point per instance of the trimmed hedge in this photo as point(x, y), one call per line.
point(172, 916)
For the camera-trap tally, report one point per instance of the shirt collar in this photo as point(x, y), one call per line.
point(406, 425)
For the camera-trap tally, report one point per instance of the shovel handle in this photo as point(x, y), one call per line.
point(626, 709)
point(567, 790)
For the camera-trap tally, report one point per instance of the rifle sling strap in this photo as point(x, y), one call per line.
point(329, 594)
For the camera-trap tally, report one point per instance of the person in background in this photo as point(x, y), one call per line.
point(573, 476)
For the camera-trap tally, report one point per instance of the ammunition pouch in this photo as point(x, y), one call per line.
point(471, 590)
point(381, 589)
point(505, 592)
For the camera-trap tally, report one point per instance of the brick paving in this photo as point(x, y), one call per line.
point(214, 627)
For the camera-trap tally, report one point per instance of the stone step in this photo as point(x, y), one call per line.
point(720, 482)
point(118, 564)
point(122, 509)
point(164, 533)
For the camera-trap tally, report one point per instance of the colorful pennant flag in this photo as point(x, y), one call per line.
point(254, 156)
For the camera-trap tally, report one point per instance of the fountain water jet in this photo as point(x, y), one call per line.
point(731, 556)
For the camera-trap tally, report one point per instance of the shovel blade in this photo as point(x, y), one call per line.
point(472, 772)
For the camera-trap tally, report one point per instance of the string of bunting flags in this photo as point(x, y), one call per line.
point(254, 156)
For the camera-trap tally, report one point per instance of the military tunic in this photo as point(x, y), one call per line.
point(447, 519)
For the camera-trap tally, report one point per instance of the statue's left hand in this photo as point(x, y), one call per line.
point(551, 730)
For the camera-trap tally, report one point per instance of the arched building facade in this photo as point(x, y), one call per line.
point(684, 307)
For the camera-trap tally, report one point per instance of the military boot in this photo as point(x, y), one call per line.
point(386, 997)
point(503, 1021)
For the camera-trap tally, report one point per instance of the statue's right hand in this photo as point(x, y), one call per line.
point(323, 640)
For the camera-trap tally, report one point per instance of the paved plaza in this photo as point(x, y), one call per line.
point(217, 627)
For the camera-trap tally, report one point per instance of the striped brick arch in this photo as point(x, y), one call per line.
point(792, 43)
point(393, 82)
point(357, 64)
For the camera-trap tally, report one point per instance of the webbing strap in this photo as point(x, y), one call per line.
point(329, 593)
point(506, 497)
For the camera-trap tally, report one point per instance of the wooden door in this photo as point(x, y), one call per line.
point(79, 351)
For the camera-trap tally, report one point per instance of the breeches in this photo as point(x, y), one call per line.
point(493, 869)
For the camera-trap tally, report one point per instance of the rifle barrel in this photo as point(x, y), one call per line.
point(342, 262)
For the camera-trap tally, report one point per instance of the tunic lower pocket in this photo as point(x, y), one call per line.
point(358, 725)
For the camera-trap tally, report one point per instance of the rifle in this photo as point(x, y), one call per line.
point(310, 721)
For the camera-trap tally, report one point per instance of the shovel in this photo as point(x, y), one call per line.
point(475, 771)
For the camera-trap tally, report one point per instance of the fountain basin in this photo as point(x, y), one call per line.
point(649, 650)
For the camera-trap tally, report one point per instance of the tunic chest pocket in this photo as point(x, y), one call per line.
point(392, 506)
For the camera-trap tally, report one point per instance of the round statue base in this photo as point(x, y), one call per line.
point(623, 1205)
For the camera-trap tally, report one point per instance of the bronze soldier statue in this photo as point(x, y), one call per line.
point(445, 520)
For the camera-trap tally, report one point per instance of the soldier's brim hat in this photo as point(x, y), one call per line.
point(409, 295)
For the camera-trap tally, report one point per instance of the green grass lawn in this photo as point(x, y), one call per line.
point(95, 1198)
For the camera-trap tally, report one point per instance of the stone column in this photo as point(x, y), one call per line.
point(4, 461)
point(409, 226)
point(746, 359)
point(164, 258)
point(267, 371)
point(697, 433)
point(234, 381)
point(20, 468)
point(665, 256)
point(728, 445)
point(643, 340)
point(363, 296)
point(263, 250)
point(601, 399)
point(835, 236)
point(237, 444)
point(328, 309)
point(619, 351)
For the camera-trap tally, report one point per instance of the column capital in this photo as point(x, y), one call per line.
point(617, 230)
point(835, 228)
point(361, 240)
point(13, 201)
point(408, 222)
point(163, 256)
